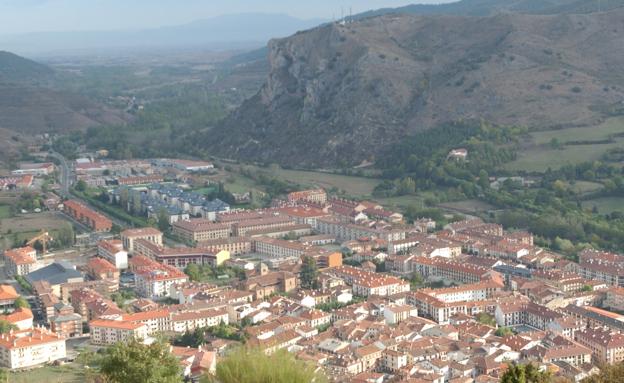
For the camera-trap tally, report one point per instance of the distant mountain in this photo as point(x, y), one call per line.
point(491, 7)
point(341, 94)
point(16, 69)
point(28, 104)
point(223, 32)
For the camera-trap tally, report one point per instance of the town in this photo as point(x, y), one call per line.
point(348, 285)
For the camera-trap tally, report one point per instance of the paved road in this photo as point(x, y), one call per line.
point(65, 180)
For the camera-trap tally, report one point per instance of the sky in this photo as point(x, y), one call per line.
point(24, 16)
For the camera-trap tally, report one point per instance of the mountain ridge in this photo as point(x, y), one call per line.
point(217, 32)
point(340, 94)
point(491, 7)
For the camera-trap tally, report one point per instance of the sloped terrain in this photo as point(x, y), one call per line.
point(340, 94)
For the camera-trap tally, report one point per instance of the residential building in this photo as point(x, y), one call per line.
point(101, 269)
point(197, 230)
point(233, 245)
point(277, 248)
point(395, 314)
point(108, 332)
point(179, 257)
point(65, 321)
point(87, 216)
point(531, 314)
point(242, 228)
point(153, 279)
point(607, 346)
point(190, 320)
point(264, 285)
point(603, 266)
point(113, 251)
point(30, 348)
point(147, 233)
point(20, 261)
point(316, 196)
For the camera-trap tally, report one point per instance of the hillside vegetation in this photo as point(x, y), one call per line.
point(338, 95)
point(490, 7)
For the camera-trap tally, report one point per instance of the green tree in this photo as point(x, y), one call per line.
point(504, 331)
point(525, 373)
point(253, 365)
point(484, 179)
point(163, 220)
point(587, 288)
point(65, 235)
point(608, 374)
point(555, 143)
point(4, 375)
point(309, 273)
point(134, 362)
point(6, 326)
point(193, 271)
point(20, 302)
point(486, 319)
point(193, 338)
point(416, 281)
point(81, 186)
point(406, 186)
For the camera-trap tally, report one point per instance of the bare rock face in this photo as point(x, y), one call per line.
point(339, 94)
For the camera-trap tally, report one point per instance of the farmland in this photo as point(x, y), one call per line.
point(539, 155)
point(539, 159)
point(605, 205)
point(599, 132)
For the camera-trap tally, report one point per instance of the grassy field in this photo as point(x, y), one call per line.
point(24, 227)
point(403, 201)
point(606, 205)
point(468, 206)
point(602, 131)
point(584, 187)
point(5, 211)
point(50, 374)
point(540, 158)
point(353, 186)
point(31, 222)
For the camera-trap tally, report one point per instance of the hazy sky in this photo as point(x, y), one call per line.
point(20, 16)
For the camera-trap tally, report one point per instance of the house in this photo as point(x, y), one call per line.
point(8, 295)
point(22, 318)
point(459, 154)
